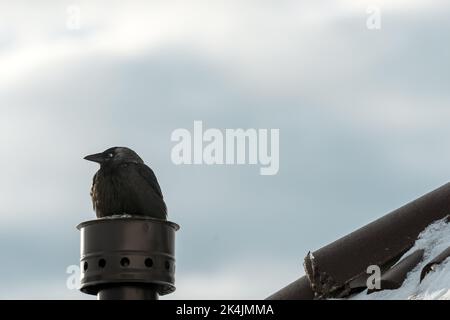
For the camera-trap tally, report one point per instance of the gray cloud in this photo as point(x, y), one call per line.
point(362, 117)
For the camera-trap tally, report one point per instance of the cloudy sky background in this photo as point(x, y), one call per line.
point(363, 116)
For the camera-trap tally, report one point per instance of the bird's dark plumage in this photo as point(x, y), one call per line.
point(125, 185)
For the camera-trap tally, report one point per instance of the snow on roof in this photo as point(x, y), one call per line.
point(436, 285)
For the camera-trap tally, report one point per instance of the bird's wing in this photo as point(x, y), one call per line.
point(150, 177)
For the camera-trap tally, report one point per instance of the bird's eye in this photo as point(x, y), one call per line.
point(110, 155)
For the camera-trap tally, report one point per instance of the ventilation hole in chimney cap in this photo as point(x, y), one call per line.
point(167, 265)
point(148, 262)
point(102, 263)
point(85, 266)
point(125, 262)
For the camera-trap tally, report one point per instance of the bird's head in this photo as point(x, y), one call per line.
point(115, 156)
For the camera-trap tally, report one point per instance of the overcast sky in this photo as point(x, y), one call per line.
point(363, 116)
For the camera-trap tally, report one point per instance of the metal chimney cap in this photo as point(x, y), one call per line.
point(127, 252)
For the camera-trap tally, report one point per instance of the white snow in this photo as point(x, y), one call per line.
point(436, 285)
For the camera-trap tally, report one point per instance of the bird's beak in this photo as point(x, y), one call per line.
point(98, 157)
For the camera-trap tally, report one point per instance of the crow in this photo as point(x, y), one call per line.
point(125, 185)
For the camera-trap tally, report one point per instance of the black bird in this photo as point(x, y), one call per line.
point(125, 185)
